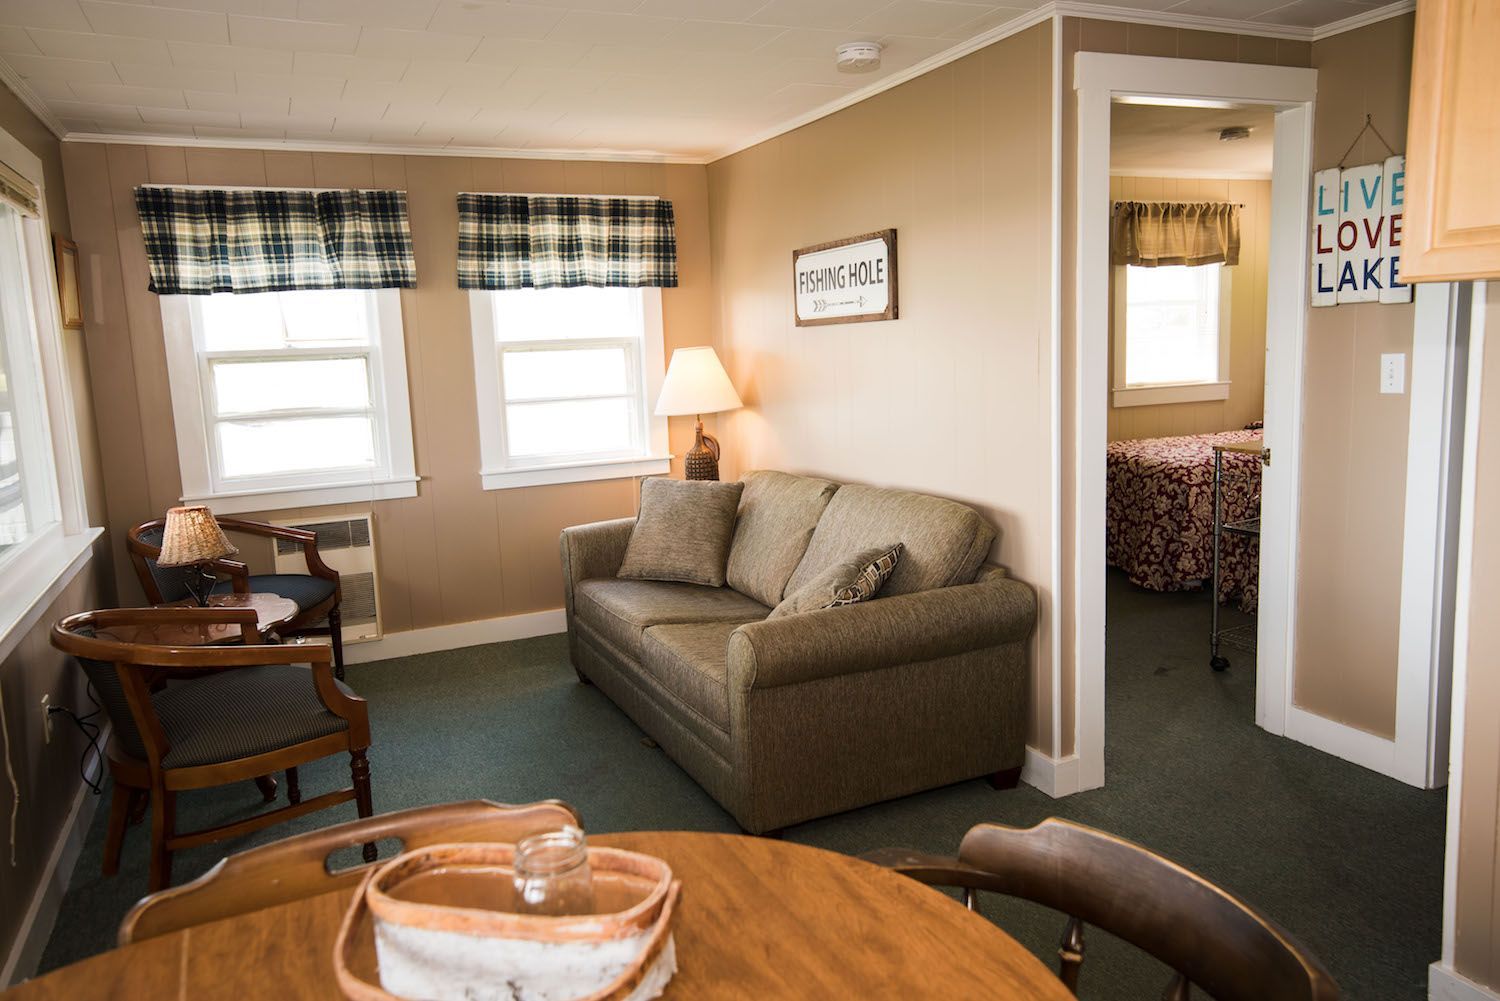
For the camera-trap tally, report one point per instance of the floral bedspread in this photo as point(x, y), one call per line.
point(1160, 508)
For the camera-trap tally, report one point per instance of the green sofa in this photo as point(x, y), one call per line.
point(809, 714)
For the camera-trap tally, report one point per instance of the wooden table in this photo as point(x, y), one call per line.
point(272, 612)
point(759, 919)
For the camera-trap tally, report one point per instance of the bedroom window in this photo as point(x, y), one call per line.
point(289, 399)
point(1171, 334)
point(564, 380)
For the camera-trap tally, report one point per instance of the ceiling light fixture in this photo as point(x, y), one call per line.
point(1175, 102)
point(858, 57)
point(1234, 133)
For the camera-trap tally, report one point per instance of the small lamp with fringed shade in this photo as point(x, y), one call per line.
point(697, 384)
point(192, 538)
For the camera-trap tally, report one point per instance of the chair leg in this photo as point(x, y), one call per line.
point(119, 816)
point(163, 825)
point(359, 769)
point(293, 788)
point(336, 635)
point(267, 786)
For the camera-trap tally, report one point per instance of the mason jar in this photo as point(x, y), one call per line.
point(552, 873)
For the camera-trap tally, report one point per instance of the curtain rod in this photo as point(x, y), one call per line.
point(256, 187)
point(561, 194)
point(1169, 201)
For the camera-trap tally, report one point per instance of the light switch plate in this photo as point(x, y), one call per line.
point(1393, 373)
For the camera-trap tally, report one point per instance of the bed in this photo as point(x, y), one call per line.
point(1159, 517)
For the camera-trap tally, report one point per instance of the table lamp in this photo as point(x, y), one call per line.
point(697, 384)
point(192, 538)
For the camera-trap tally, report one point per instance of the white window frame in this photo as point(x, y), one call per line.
point(188, 373)
point(499, 471)
point(1172, 392)
point(35, 572)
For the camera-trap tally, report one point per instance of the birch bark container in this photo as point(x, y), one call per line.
point(442, 923)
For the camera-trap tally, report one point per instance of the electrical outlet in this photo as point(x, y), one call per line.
point(47, 719)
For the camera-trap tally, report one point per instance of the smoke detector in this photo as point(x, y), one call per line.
point(1234, 134)
point(858, 57)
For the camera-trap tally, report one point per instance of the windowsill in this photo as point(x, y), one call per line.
point(1183, 392)
point(46, 572)
point(284, 498)
point(576, 472)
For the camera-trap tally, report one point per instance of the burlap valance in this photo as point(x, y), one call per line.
point(1156, 234)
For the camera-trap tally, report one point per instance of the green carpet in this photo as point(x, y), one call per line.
point(1350, 861)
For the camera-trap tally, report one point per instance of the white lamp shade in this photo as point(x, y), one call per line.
point(696, 383)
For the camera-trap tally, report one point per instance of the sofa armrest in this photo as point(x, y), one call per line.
point(882, 633)
point(595, 550)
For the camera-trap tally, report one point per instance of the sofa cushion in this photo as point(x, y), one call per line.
point(683, 531)
point(848, 582)
point(778, 512)
point(624, 609)
point(944, 541)
point(691, 660)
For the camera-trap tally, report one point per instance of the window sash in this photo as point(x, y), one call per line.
point(634, 393)
point(1210, 304)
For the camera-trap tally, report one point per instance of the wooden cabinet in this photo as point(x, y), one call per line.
point(1452, 224)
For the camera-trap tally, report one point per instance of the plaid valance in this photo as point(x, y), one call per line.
point(200, 241)
point(564, 241)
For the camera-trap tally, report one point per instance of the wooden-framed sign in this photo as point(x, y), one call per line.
point(846, 281)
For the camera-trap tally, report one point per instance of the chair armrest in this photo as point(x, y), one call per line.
point(595, 550)
point(934, 870)
point(308, 541)
point(881, 633)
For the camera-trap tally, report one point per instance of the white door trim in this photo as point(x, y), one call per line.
point(1098, 78)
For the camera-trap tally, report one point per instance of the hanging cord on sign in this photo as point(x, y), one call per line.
point(1369, 126)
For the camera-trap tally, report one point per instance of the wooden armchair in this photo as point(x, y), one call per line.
point(250, 710)
point(1210, 938)
point(316, 593)
point(298, 867)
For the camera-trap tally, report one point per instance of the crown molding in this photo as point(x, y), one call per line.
point(1360, 20)
point(1048, 11)
point(28, 97)
point(395, 149)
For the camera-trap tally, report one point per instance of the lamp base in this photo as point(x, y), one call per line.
point(200, 581)
point(702, 460)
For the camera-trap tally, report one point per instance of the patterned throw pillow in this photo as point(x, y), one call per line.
point(857, 579)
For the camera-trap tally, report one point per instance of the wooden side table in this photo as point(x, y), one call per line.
point(272, 612)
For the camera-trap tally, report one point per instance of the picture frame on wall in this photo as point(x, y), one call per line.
point(69, 296)
point(852, 280)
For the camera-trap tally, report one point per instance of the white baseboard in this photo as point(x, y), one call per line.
point(1057, 777)
point(456, 636)
point(1350, 743)
point(1446, 984)
point(41, 914)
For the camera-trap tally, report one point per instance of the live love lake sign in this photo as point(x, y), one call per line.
point(846, 281)
point(1357, 216)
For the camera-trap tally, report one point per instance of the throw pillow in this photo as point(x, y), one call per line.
point(683, 531)
point(847, 583)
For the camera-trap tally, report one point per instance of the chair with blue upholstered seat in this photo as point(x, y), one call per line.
point(191, 717)
point(316, 593)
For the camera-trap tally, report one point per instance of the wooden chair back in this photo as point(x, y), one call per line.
point(1212, 939)
point(299, 867)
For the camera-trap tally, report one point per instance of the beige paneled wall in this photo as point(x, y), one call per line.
point(953, 398)
point(47, 773)
point(1247, 314)
point(1353, 477)
point(1476, 941)
point(454, 553)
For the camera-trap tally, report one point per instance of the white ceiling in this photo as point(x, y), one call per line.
point(673, 78)
point(1156, 141)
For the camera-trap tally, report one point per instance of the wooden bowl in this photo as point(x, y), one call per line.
point(441, 922)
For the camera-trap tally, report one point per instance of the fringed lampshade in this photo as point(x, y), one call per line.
point(191, 537)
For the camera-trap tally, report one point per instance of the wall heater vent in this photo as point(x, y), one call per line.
point(347, 545)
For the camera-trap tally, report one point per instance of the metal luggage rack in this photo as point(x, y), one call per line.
point(1239, 637)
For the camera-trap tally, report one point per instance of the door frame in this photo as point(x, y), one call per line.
point(1098, 79)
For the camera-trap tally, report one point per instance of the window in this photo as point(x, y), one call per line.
point(28, 485)
point(287, 399)
point(564, 380)
point(1171, 334)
